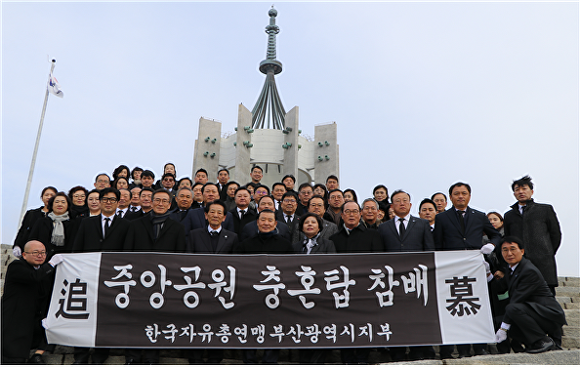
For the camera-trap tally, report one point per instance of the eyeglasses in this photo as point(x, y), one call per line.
point(109, 200)
point(37, 253)
point(351, 211)
point(261, 192)
point(289, 201)
point(162, 201)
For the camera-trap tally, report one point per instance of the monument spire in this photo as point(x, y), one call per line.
point(269, 111)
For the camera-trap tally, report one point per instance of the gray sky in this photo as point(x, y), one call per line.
point(424, 94)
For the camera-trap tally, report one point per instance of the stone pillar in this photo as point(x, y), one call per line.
point(243, 145)
point(290, 144)
point(325, 152)
point(207, 147)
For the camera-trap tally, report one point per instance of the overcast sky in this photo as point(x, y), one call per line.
point(424, 94)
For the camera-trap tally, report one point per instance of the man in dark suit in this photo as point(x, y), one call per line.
point(105, 232)
point(538, 227)
point(289, 215)
point(124, 203)
point(184, 199)
point(317, 205)
point(370, 214)
point(305, 192)
point(196, 218)
point(242, 214)
point(251, 229)
point(278, 190)
point(428, 211)
point(211, 240)
point(405, 233)
point(135, 200)
point(532, 311)
point(461, 228)
point(146, 205)
point(223, 177)
point(154, 232)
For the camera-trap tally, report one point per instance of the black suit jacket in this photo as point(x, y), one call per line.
point(239, 224)
point(132, 215)
point(359, 240)
point(448, 234)
point(200, 242)
point(251, 230)
point(281, 218)
point(526, 285)
point(417, 236)
point(196, 219)
point(42, 231)
point(90, 235)
point(140, 236)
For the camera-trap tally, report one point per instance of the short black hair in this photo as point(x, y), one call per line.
point(197, 184)
point(427, 201)
point(102, 174)
point(227, 186)
point(136, 169)
point(289, 176)
point(94, 190)
point(262, 186)
point(147, 173)
point(525, 180)
point(266, 197)
point(216, 202)
point(308, 215)
point(513, 239)
point(119, 169)
point(398, 192)
point(278, 184)
point(290, 194)
point(144, 189)
point(250, 184)
point(379, 187)
point(243, 188)
point(438, 193)
point(166, 164)
point(209, 184)
point(223, 170)
point(202, 171)
point(68, 202)
point(459, 184)
point(305, 184)
point(162, 190)
point(332, 176)
point(107, 190)
point(165, 175)
point(317, 197)
point(321, 186)
point(266, 211)
point(257, 166)
point(185, 179)
point(342, 193)
point(48, 188)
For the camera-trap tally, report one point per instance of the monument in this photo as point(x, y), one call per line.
point(268, 136)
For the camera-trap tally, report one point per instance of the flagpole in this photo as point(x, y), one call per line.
point(33, 163)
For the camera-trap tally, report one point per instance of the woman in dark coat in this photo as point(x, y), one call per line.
point(30, 219)
point(78, 196)
point(310, 225)
point(57, 231)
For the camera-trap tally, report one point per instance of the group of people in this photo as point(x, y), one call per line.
point(132, 212)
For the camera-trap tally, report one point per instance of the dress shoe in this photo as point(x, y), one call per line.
point(480, 352)
point(36, 359)
point(541, 345)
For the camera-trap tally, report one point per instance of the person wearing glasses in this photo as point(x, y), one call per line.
point(289, 216)
point(305, 192)
point(154, 231)
point(353, 237)
point(24, 304)
point(79, 208)
point(259, 192)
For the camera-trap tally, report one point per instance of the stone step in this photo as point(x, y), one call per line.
point(571, 331)
point(569, 281)
point(572, 306)
point(572, 315)
point(568, 291)
point(571, 343)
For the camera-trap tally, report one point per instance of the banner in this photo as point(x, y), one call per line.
point(174, 301)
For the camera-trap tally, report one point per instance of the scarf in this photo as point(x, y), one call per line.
point(309, 243)
point(158, 221)
point(57, 237)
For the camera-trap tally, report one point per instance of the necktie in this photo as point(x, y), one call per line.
point(120, 213)
point(242, 212)
point(401, 227)
point(133, 209)
point(523, 209)
point(461, 220)
point(107, 220)
point(288, 219)
point(213, 233)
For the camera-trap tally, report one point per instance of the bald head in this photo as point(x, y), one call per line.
point(34, 253)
